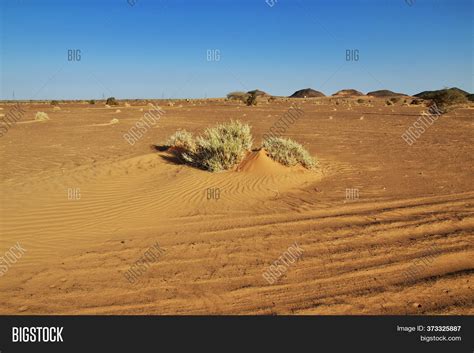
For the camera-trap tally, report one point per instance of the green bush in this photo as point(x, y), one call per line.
point(288, 152)
point(92, 101)
point(54, 102)
point(360, 101)
point(111, 101)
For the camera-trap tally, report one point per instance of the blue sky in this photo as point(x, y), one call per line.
point(159, 48)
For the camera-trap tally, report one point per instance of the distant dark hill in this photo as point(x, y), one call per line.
point(258, 92)
point(385, 93)
point(307, 93)
point(436, 93)
point(347, 93)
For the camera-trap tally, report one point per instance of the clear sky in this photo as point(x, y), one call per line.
point(159, 48)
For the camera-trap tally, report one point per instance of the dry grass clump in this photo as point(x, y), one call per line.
point(182, 141)
point(41, 116)
point(224, 146)
point(288, 152)
point(219, 148)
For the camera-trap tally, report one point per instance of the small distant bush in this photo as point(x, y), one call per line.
point(54, 102)
point(360, 101)
point(416, 101)
point(252, 99)
point(388, 102)
point(394, 100)
point(288, 152)
point(41, 116)
point(111, 101)
point(92, 101)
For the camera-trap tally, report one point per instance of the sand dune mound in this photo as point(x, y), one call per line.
point(259, 162)
point(307, 93)
point(348, 93)
point(385, 93)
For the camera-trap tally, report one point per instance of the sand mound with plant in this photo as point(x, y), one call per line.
point(226, 145)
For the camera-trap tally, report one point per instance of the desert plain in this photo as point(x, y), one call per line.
point(408, 203)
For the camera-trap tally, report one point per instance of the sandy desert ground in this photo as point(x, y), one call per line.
point(414, 201)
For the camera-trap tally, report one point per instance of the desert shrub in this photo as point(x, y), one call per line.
point(388, 102)
point(222, 147)
point(41, 116)
point(394, 99)
point(111, 101)
point(360, 101)
point(54, 102)
point(182, 139)
point(252, 99)
point(92, 101)
point(288, 152)
point(448, 98)
point(219, 148)
point(416, 101)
